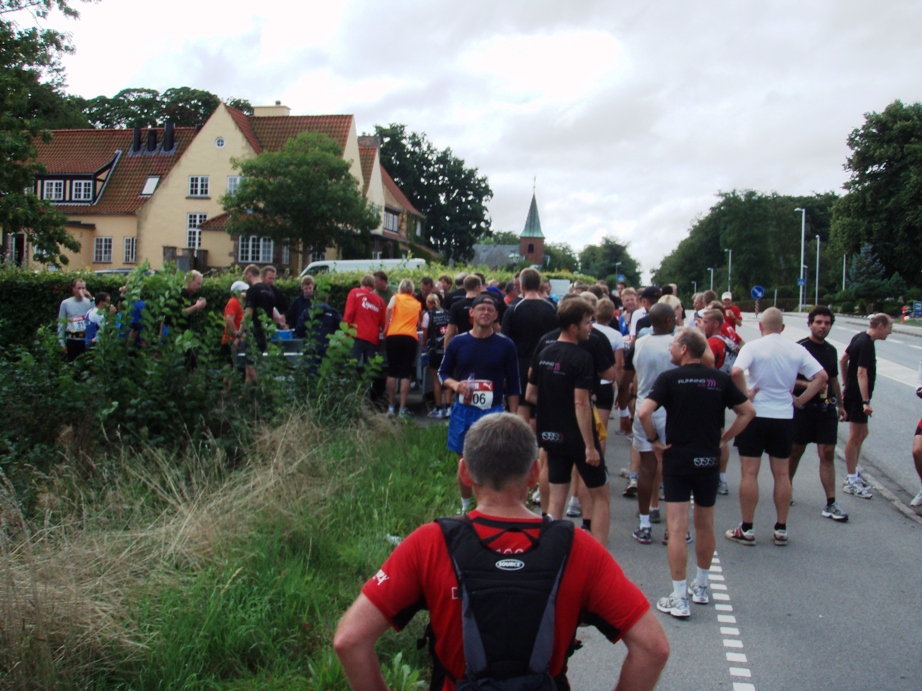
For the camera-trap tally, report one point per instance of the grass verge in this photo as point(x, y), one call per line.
point(177, 573)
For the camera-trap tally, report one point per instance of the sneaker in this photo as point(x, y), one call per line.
point(390, 411)
point(435, 414)
point(625, 472)
point(918, 500)
point(858, 490)
point(747, 538)
point(861, 482)
point(654, 516)
point(835, 513)
point(780, 537)
point(643, 536)
point(723, 488)
point(700, 593)
point(688, 538)
point(676, 606)
point(631, 489)
point(447, 412)
point(574, 510)
point(405, 414)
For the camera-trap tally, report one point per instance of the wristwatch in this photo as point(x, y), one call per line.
point(867, 402)
point(655, 439)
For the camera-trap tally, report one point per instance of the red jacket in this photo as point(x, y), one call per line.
point(365, 311)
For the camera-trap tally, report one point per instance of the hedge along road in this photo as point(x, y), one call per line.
point(837, 607)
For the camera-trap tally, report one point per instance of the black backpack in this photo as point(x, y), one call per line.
point(508, 604)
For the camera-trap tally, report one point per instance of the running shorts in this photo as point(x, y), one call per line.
point(766, 435)
point(560, 467)
point(812, 425)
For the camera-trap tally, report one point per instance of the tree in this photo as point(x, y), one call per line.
point(500, 237)
point(561, 257)
point(881, 206)
point(301, 196)
point(30, 84)
point(867, 280)
point(763, 230)
point(452, 196)
point(140, 107)
point(609, 259)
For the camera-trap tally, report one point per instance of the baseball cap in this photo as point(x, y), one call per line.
point(237, 286)
point(727, 296)
point(482, 298)
point(651, 293)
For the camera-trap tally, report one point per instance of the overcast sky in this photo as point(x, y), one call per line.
point(631, 114)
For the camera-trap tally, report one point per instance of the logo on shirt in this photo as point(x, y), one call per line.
point(706, 462)
point(700, 382)
point(510, 564)
point(549, 365)
point(551, 436)
point(380, 577)
point(370, 305)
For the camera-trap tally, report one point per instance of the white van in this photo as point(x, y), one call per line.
point(366, 265)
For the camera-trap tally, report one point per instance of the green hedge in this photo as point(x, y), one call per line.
point(32, 299)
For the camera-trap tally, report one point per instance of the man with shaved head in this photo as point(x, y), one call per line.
point(773, 363)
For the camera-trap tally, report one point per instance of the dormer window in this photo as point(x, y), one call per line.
point(150, 185)
point(53, 190)
point(82, 190)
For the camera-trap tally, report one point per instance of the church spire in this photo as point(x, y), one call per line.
point(533, 222)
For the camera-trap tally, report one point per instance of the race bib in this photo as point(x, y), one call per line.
point(481, 395)
point(76, 324)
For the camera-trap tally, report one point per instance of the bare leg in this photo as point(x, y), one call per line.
point(404, 392)
point(917, 454)
point(705, 542)
point(558, 500)
point(827, 454)
point(543, 485)
point(677, 550)
point(857, 433)
point(601, 513)
point(782, 493)
point(645, 481)
point(436, 388)
point(391, 390)
point(797, 451)
point(749, 487)
point(657, 481)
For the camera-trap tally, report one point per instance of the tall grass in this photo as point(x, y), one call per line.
point(167, 572)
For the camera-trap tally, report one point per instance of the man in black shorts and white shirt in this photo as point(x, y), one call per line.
point(773, 363)
point(560, 386)
point(818, 421)
point(859, 363)
point(694, 397)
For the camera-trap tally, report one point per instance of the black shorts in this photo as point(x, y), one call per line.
point(854, 408)
point(401, 355)
point(815, 426)
point(363, 351)
point(560, 467)
point(766, 435)
point(605, 396)
point(435, 360)
point(679, 484)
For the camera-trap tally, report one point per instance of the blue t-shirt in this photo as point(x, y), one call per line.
point(492, 358)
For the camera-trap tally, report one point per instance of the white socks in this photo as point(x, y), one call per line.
point(702, 579)
point(680, 589)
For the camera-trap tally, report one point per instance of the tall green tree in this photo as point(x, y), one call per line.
point(561, 257)
point(452, 196)
point(500, 237)
point(764, 232)
point(882, 205)
point(141, 107)
point(31, 85)
point(302, 196)
point(608, 259)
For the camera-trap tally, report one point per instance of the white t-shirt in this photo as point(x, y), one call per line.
point(614, 337)
point(774, 363)
point(636, 316)
point(651, 359)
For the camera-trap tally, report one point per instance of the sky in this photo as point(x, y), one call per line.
point(630, 116)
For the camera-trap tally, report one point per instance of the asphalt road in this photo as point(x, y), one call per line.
point(837, 608)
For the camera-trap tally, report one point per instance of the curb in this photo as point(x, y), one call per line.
point(897, 503)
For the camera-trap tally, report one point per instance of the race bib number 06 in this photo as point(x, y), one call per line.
point(481, 394)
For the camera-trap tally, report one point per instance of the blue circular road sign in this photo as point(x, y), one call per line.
point(758, 292)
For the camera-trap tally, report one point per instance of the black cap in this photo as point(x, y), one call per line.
point(484, 297)
point(651, 293)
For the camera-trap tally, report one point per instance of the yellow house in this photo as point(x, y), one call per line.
point(155, 194)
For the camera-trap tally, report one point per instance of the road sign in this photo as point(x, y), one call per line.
point(917, 308)
point(801, 282)
point(620, 278)
point(757, 292)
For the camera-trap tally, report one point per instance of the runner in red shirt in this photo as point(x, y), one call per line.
point(732, 313)
point(365, 311)
point(420, 575)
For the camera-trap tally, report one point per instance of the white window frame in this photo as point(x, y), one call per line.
point(233, 182)
point(198, 185)
point(193, 232)
point(391, 221)
point(130, 250)
point(53, 190)
point(150, 185)
point(377, 255)
point(286, 255)
point(253, 249)
point(318, 255)
point(81, 190)
point(102, 250)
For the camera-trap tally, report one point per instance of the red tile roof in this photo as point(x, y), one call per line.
point(272, 132)
point(87, 151)
point(216, 223)
point(368, 155)
point(398, 195)
point(243, 122)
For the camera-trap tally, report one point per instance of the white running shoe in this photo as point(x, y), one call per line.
point(676, 606)
point(700, 593)
point(918, 500)
point(857, 490)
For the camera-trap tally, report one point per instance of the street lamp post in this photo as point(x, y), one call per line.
point(617, 264)
point(817, 300)
point(800, 286)
point(712, 277)
point(694, 286)
point(729, 271)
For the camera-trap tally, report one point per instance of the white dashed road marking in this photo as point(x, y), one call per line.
point(733, 642)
